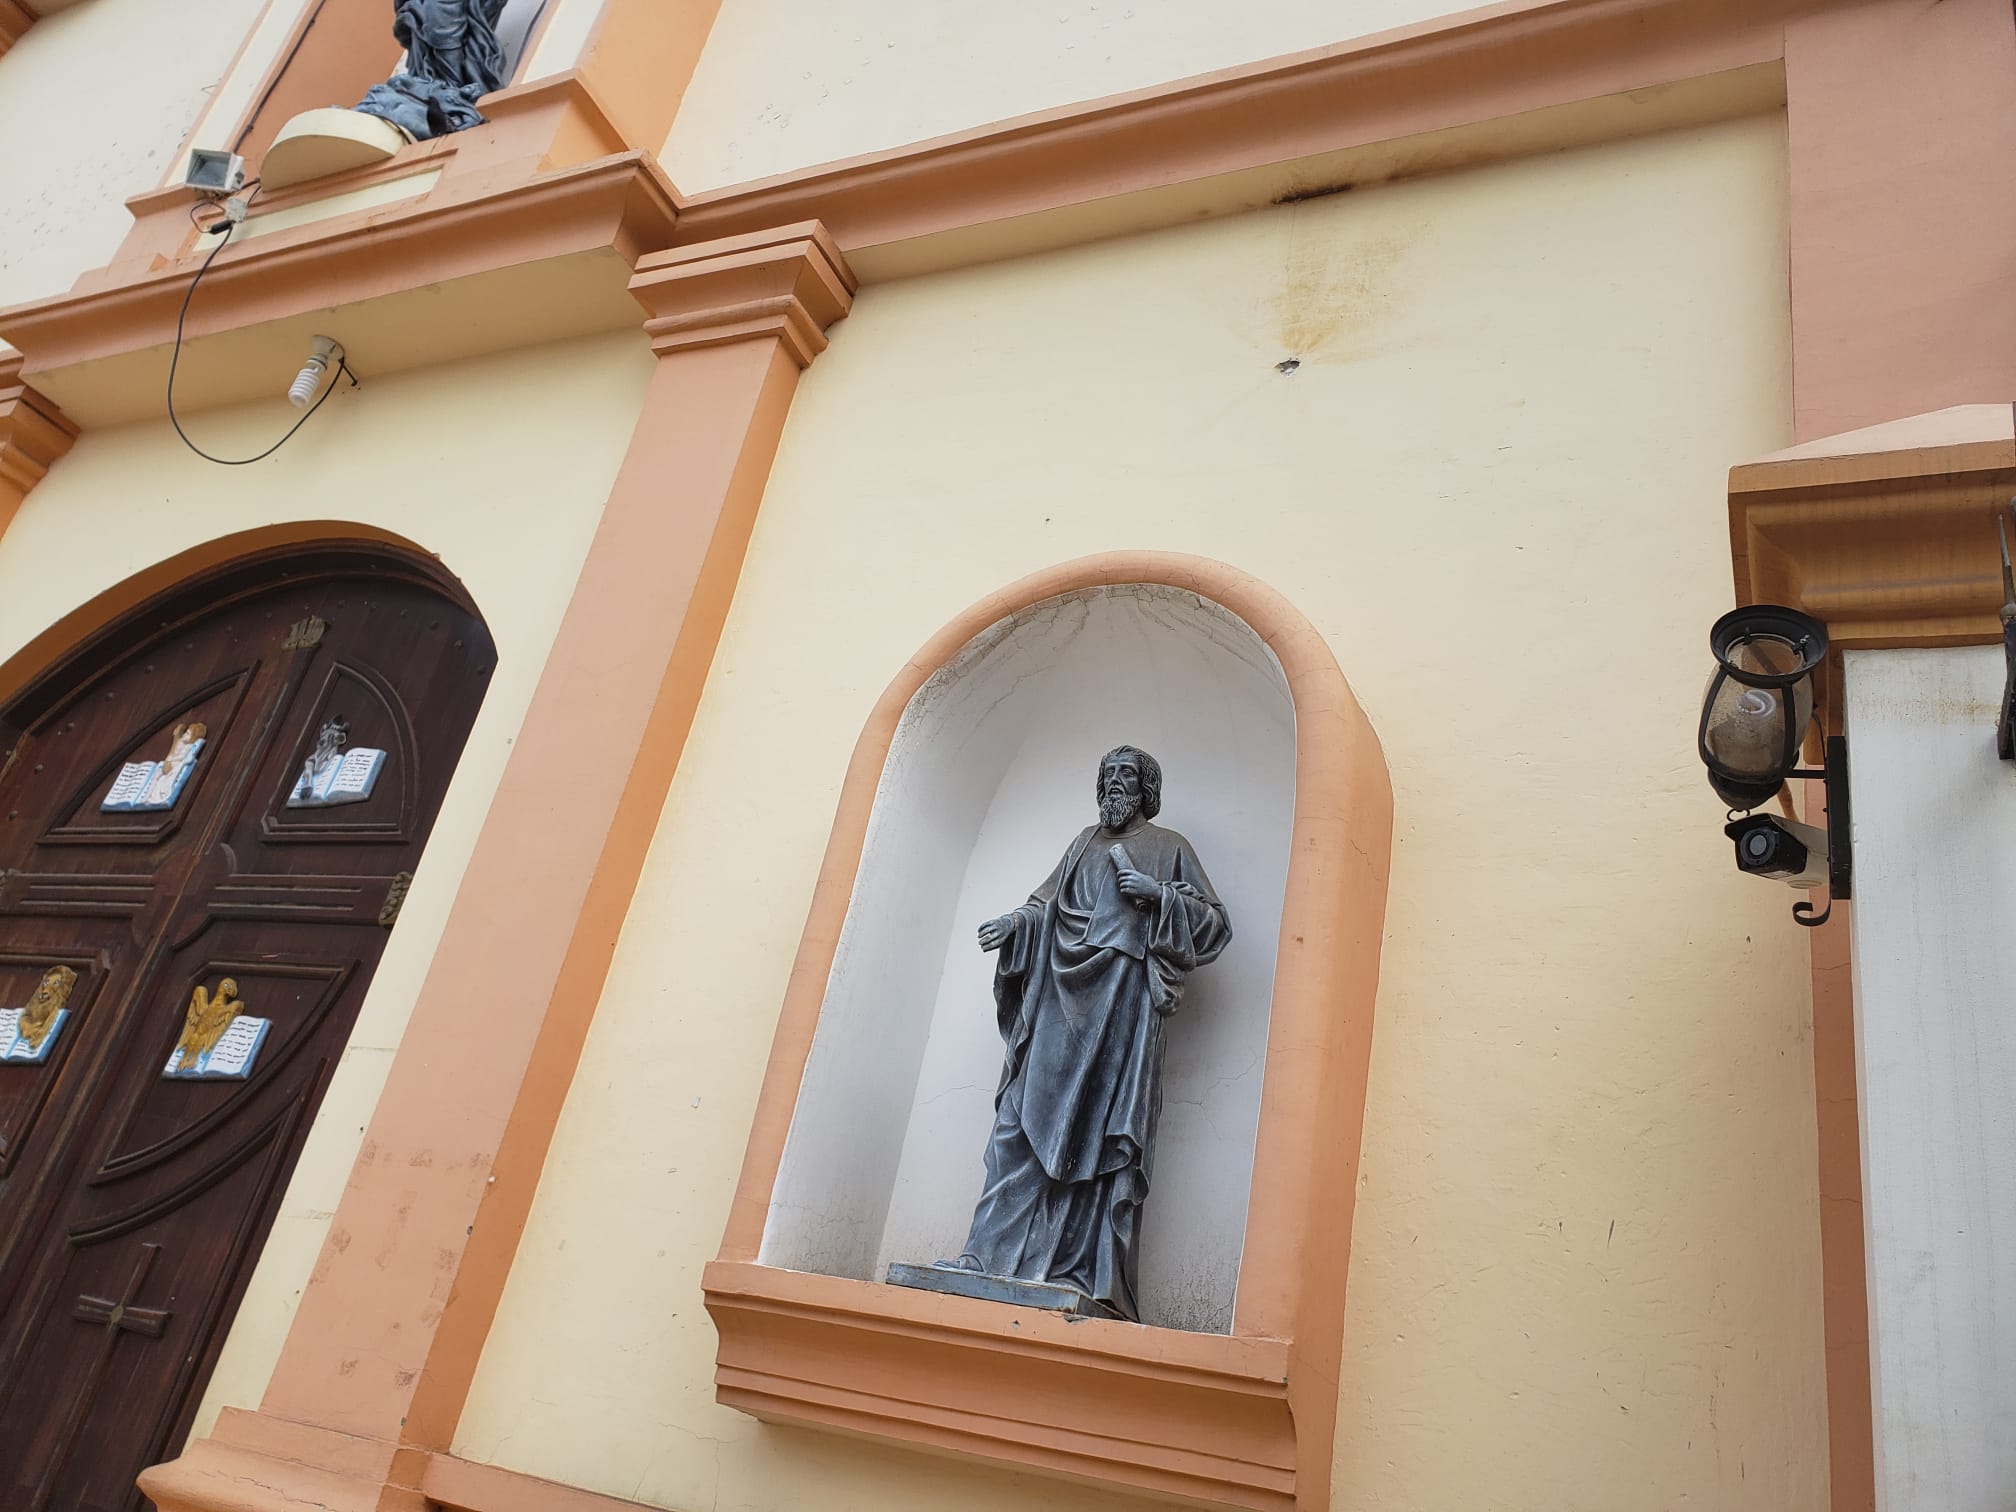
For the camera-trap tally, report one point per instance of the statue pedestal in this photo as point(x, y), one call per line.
point(963, 1283)
point(317, 143)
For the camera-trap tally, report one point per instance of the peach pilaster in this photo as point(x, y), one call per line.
point(1902, 124)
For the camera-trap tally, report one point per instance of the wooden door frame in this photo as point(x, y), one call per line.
point(120, 625)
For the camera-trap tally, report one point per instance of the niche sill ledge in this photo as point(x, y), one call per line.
point(1203, 1417)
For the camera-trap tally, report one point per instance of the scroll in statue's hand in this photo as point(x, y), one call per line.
point(1137, 887)
point(995, 932)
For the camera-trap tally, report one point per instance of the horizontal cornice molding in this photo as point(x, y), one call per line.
point(1887, 535)
point(1462, 71)
point(621, 202)
point(790, 283)
point(517, 264)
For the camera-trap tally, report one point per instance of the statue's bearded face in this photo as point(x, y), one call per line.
point(1119, 793)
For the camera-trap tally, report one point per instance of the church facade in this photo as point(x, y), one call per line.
point(492, 851)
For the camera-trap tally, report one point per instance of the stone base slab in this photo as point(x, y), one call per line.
point(1016, 1293)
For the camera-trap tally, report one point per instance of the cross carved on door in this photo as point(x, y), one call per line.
point(118, 1316)
point(121, 1316)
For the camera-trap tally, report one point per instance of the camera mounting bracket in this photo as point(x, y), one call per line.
point(1840, 834)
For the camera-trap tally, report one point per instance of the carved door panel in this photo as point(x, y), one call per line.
point(133, 1202)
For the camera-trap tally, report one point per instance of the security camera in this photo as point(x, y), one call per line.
point(212, 172)
point(1784, 849)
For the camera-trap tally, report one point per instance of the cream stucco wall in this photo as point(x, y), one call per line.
point(1585, 1270)
point(118, 84)
point(786, 83)
point(501, 468)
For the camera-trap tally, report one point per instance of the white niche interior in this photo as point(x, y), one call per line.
point(989, 777)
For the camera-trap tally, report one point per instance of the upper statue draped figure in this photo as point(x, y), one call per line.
point(1089, 968)
point(453, 59)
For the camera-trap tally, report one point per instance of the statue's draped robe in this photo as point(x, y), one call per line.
point(453, 59)
point(1082, 988)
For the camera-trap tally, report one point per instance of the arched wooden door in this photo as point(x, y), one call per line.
point(142, 872)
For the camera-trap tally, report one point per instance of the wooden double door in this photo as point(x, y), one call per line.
point(133, 1202)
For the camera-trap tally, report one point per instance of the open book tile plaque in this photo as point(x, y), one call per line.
point(27, 1035)
point(218, 1042)
point(332, 776)
point(147, 787)
point(230, 1059)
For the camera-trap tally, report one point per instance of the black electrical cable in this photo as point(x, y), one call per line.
point(211, 202)
point(175, 361)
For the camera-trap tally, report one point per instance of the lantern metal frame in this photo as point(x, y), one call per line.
point(1795, 629)
point(1799, 629)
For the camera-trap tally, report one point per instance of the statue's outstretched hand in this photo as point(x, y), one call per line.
point(1138, 887)
point(995, 932)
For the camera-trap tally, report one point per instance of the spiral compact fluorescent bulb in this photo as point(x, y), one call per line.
point(327, 353)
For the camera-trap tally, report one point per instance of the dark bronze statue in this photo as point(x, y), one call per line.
point(453, 59)
point(1088, 971)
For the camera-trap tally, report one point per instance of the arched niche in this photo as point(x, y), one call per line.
point(988, 778)
point(973, 771)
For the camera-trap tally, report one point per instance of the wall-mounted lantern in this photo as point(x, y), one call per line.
point(1754, 720)
point(1760, 700)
